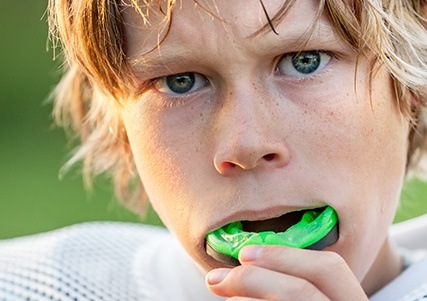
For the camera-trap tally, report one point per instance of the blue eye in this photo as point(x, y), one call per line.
point(182, 83)
point(303, 64)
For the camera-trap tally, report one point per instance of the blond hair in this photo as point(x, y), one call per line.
point(98, 77)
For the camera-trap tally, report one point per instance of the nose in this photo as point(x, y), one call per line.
point(250, 137)
point(250, 156)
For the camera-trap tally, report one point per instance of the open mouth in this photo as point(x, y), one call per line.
point(278, 224)
point(311, 229)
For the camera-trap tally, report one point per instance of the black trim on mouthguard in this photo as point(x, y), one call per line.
point(329, 239)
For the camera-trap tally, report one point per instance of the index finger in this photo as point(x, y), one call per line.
point(327, 270)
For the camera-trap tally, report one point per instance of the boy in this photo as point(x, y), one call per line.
point(245, 111)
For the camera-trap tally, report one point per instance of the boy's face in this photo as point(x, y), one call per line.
point(249, 130)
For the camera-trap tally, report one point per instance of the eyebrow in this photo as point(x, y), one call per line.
point(147, 64)
point(296, 41)
point(162, 62)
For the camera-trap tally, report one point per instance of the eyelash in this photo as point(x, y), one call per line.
point(162, 99)
point(301, 80)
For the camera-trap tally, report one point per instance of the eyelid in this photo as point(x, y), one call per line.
point(328, 52)
point(145, 84)
point(309, 76)
point(200, 81)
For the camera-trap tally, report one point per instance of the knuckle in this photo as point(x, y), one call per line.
point(242, 273)
point(243, 281)
point(304, 290)
point(333, 259)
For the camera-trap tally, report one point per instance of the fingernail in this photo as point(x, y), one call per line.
point(216, 276)
point(250, 253)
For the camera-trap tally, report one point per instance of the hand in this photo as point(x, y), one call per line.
point(281, 273)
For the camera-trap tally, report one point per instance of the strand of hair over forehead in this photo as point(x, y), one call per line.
point(142, 7)
point(171, 3)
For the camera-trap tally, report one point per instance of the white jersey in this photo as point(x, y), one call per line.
point(411, 285)
point(99, 262)
point(108, 261)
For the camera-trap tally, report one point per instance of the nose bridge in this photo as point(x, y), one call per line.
point(245, 108)
point(247, 130)
point(244, 116)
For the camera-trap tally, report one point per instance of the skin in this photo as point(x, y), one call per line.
point(254, 140)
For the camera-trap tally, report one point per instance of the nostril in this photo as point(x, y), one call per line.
point(269, 157)
point(227, 165)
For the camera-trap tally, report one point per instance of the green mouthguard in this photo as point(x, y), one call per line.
point(313, 227)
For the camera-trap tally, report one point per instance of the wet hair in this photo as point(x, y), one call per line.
point(98, 75)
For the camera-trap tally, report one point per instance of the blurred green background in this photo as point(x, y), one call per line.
point(32, 151)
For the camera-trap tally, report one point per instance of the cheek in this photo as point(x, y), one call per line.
point(361, 137)
point(164, 155)
point(364, 147)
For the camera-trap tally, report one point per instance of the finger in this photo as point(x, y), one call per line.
point(325, 270)
point(244, 299)
point(254, 282)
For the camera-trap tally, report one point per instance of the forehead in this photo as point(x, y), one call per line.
point(236, 21)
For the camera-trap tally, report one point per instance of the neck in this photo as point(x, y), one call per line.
point(386, 267)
